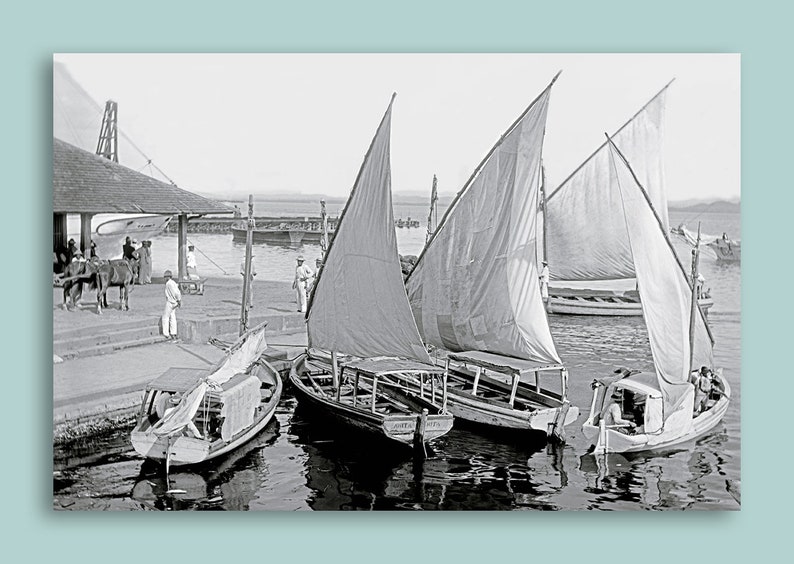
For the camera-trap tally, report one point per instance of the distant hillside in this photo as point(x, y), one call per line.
point(720, 206)
point(409, 198)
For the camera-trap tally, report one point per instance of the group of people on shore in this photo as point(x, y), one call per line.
point(64, 256)
point(141, 252)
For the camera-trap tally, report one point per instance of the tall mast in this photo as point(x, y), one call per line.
point(108, 144)
point(693, 310)
point(249, 236)
point(324, 239)
point(543, 207)
point(433, 210)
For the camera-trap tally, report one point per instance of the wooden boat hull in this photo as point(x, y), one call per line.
point(184, 450)
point(725, 253)
point(472, 409)
point(392, 427)
point(280, 236)
point(609, 441)
point(596, 306)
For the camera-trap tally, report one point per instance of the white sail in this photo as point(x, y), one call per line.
point(475, 286)
point(237, 360)
point(664, 289)
point(359, 306)
point(585, 233)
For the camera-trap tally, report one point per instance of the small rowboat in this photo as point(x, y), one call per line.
point(190, 416)
point(378, 396)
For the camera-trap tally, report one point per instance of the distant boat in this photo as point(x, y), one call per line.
point(726, 250)
point(572, 301)
point(660, 408)
point(110, 235)
point(476, 297)
point(190, 416)
point(292, 231)
point(585, 240)
point(366, 366)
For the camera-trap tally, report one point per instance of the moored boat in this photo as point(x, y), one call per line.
point(571, 301)
point(292, 231)
point(383, 397)
point(190, 416)
point(585, 240)
point(366, 365)
point(111, 232)
point(726, 250)
point(637, 412)
point(475, 293)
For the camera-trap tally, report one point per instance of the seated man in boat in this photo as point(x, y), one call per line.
point(613, 417)
point(703, 389)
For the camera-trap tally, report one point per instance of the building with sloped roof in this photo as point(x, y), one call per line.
point(87, 184)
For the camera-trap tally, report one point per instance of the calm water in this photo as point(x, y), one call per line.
point(297, 463)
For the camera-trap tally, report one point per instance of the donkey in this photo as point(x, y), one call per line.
point(74, 274)
point(121, 273)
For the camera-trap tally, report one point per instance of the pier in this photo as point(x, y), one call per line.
point(102, 363)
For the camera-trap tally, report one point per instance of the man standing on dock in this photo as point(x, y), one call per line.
point(192, 265)
point(302, 276)
point(173, 299)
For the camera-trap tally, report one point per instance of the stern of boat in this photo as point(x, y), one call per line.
point(183, 450)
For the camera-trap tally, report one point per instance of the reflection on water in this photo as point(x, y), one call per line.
point(298, 463)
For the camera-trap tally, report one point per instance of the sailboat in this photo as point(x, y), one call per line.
point(475, 292)
point(585, 244)
point(727, 251)
point(190, 416)
point(659, 410)
point(366, 365)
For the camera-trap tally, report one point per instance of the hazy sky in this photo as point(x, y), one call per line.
point(283, 123)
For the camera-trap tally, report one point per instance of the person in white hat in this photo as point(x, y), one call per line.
point(192, 265)
point(303, 274)
point(173, 300)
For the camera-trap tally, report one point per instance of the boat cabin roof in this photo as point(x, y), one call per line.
point(378, 366)
point(182, 379)
point(503, 364)
point(644, 383)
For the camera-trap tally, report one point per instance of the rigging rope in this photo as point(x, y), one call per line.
point(208, 258)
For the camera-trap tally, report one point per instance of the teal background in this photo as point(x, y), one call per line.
point(31, 32)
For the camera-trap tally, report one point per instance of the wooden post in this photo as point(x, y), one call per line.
point(355, 390)
point(58, 230)
point(564, 378)
point(85, 233)
point(694, 307)
point(374, 391)
point(421, 386)
point(433, 389)
point(324, 239)
point(249, 238)
point(182, 248)
point(419, 432)
point(444, 393)
point(537, 381)
point(335, 372)
point(514, 389)
point(476, 380)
